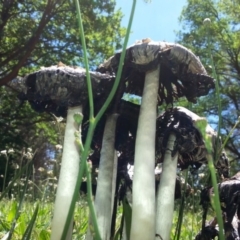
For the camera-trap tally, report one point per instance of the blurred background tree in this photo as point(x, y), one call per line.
point(42, 33)
point(223, 31)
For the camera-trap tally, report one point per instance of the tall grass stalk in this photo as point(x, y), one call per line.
point(207, 22)
point(5, 173)
point(217, 153)
point(216, 200)
point(126, 220)
point(20, 204)
point(229, 135)
point(93, 121)
point(28, 231)
point(143, 206)
point(202, 126)
point(15, 179)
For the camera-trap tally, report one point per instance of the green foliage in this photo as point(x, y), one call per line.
point(202, 125)
point(21, 127)
point(190, 226)
point(42, 33)
point(17, 121)
point(223, 32)
point(27, 233)
point(41, 229)
point(48, 29)
point(127, 211)
point(42, 222)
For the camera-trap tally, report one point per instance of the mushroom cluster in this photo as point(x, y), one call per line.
point(54, 89)
point(177, 72)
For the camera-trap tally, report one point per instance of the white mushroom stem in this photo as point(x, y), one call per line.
point(106, 179)
point(143, 207)
point(114, 178)
point(124, 234)
point(67, 178)
point(166, 192)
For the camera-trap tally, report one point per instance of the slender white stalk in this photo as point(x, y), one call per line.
point(143, 206)
point(68, 177)
point(106, 177)
point(166, 191)
point(114, 178)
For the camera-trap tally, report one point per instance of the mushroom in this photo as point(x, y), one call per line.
point(182, 122)
point(230, 201)
point(182, 73)
point(54, 89)
point(189, 145)
point(62, 90)
point(157, 71)
point(209, 231)
point(106, 187)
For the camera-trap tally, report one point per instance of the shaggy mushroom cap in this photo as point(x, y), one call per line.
point(181, 72)
point(189, 141)
point(209, 232)
point(54, 89)
point(229, 196)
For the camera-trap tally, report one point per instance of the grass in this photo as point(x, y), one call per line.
point(191, 225)
point(42, 226)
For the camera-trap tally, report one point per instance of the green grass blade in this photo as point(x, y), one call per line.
point(85, 58)
point(44, 235)
point(217, 153)
point(18, 212)
point(5, 172)
point(209, 45)
point(229, 135)
point(27, 233)
point(12, 213)
point(120, 67)
point(201, 125)
point(16, 177)
point(93, 122)
point(127, 212)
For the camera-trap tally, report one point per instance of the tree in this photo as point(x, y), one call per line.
point(42, 33)
point(221, 35)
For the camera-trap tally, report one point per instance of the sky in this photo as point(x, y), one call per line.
point(157, 19)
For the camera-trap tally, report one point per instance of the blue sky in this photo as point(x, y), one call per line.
point(157, 19)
